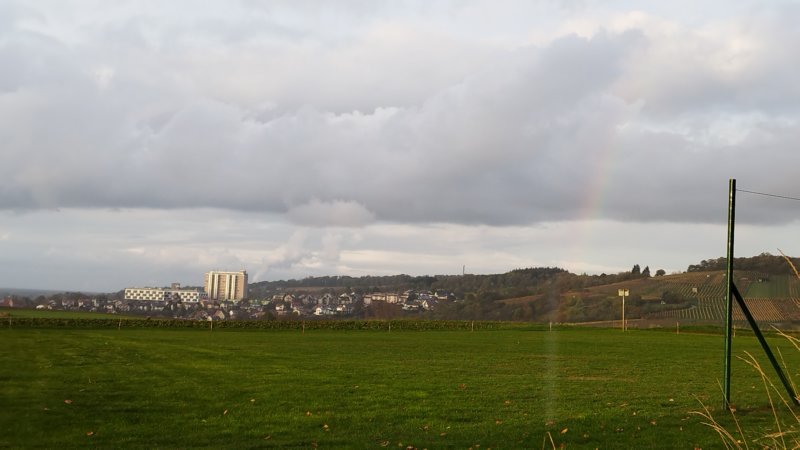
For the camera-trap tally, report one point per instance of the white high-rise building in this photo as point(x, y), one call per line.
point(226, 285)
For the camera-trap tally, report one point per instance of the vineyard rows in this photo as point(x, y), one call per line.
point(770, 298)
point(709, 288)
point(794, 290)
point(762, 309)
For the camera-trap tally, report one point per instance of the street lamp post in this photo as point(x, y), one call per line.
point(622, 293)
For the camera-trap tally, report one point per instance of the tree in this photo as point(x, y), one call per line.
point(636, 270)
point(646, 272)
point(660, 272)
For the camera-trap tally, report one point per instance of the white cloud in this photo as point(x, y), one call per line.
point(481, 144)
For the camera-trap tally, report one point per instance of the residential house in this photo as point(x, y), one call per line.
point(199, 315)
point(323, 310)
point(327, 299)
point(428, 303)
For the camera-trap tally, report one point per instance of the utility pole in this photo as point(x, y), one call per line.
point(622, 293)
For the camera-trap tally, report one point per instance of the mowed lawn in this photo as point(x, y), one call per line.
point(584, 388)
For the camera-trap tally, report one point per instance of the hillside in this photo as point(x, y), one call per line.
point(553, 294)
point(690, 296)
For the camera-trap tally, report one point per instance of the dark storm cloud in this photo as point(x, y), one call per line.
point(638, 124)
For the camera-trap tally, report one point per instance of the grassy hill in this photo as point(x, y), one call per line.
point(690, 296)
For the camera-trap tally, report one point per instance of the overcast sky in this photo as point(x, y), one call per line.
point(146, 142)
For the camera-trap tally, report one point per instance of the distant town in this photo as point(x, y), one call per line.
point(225, 297)
point(545, 294)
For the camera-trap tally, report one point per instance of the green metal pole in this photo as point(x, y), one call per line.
point(729, 293)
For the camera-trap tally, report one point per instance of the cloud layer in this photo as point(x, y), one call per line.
point(105, 250)
point(162, 139)
point(633, 117)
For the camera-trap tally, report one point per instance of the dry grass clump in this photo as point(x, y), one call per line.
point(781, 437)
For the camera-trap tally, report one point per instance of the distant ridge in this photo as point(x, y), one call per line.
point(32, 293)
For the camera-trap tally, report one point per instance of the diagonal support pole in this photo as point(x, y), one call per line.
point(764, 345)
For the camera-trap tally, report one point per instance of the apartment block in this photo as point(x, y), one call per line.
point(162, 295)
point(226, 285)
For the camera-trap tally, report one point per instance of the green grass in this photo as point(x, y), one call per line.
point(776, 287)
point(154, 388)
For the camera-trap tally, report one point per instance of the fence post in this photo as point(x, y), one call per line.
point(729, 294)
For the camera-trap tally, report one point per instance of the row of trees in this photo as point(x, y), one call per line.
point(637, 271)
point(516, 283)
point(764, 263)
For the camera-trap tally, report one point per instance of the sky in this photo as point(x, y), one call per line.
point(147, 142)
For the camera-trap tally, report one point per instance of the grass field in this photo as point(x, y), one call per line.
point(154, 388)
